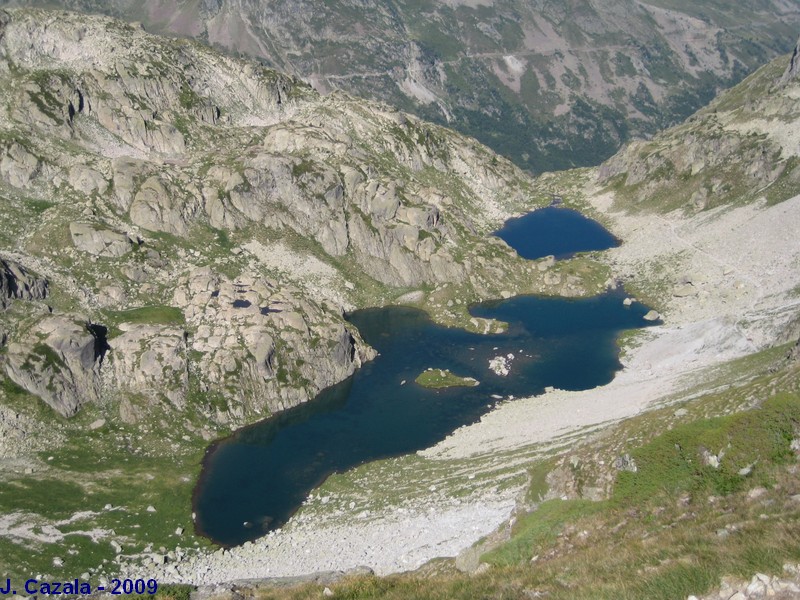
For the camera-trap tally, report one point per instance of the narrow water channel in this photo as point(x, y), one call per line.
point(257, 478)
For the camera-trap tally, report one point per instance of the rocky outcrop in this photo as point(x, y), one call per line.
point(17, 166)
point(794, 353)
point(150, 361)
point(58, 360)
point(255, 349)
point(785, 585)
point(17, 282)
point(735, 150)
point(237, 195)
point(87, 180)
point(793, 69)
point(99, 242)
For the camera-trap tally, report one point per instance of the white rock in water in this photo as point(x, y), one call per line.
point(652, 316)
point(499, 364)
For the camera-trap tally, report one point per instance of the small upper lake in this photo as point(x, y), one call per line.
point(257, 478)
point(558, 231)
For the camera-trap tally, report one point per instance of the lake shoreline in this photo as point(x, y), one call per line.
point(716, 325)
point(255, 480)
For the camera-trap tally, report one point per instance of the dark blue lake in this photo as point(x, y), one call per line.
point(558, 231)
point(256, 479)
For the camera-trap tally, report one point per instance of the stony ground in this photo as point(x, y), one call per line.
point(784, 587)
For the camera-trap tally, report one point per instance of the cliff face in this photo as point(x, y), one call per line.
point(209, 221)
point(550, 84)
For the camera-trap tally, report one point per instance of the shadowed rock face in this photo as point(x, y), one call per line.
point(793, 69)
point(17, 283)
point(794, 353)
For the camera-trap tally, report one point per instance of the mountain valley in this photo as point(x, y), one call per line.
point(183, 234)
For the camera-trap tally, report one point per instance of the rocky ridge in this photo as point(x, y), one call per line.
point(551, 85)
point(17, 283)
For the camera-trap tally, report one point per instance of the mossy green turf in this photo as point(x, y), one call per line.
point(130, 467)
point(443, 378)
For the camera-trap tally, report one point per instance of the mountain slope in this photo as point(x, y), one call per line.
point(549, 84)
point(140, 173)
point(677, 479)
point(741, 147)
point(181, 235)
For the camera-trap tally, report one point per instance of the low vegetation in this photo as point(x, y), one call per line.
point(130, 484)
point(443, 378)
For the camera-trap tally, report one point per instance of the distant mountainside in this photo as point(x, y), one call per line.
point(549, 84)
point(740, 148)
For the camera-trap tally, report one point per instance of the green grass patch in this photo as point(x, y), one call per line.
point(443, 378)
point(304, 167)
point(50, 357)
point(174, 591)
point(58, 498)
point(155, 315)
point(103, 481)
point(537, 530)
point(674, 462)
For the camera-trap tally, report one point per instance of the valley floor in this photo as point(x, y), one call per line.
point(727, 283)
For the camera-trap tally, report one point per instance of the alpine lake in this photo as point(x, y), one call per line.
point(254, 480)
